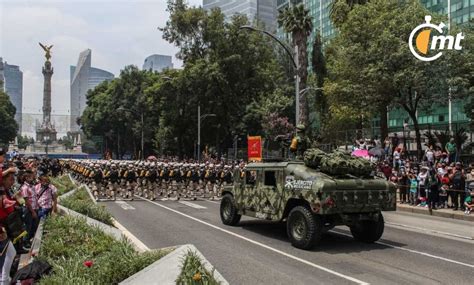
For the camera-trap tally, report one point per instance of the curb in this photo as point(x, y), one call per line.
point(116, 233)
point(166, 270)
point(435, 213)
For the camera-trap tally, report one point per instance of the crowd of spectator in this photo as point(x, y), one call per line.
point(438, 180)
point(26, 197)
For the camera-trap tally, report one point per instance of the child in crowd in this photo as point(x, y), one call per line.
point(468, 204)
point(443, 191)
point(413, 189)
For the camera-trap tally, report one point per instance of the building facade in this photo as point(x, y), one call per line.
point(12, 77)
point(265, 11)
point(158, 62)
point(83, 78)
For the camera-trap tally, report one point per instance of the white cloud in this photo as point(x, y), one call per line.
point(118, 33)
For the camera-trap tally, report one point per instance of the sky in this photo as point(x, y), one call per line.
point(119, 33)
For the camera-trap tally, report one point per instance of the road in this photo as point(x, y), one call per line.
point(413, 249)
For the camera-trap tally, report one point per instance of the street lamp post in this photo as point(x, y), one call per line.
point(294, 57)
point(200, 118)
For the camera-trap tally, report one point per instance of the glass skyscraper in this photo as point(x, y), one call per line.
point(13, 86)
point(158, 62)
point(83, 78)
point(263, 10)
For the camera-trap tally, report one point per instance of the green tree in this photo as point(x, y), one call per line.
point(8, 126)
point(23, 142)
point(372, 67)
point(236, 77)
point(296, 20)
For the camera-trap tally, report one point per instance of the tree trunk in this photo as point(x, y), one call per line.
point(383, 122)
point(301, 41)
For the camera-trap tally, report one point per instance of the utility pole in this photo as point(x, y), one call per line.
point(199, 134)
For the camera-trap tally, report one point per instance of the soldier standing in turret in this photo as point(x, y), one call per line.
point(300, 143)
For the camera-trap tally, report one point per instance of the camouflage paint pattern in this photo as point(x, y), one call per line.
point(295, 182)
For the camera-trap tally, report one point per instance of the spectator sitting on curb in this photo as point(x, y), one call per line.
point(468, 204)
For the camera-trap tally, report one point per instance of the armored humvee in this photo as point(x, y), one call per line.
point(310, 201)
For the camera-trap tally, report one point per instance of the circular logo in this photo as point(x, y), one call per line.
point(423, 38)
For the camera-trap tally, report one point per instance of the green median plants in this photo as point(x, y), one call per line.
point(193, 272)
point(81, 202)
point(83, 254)
point(63, 184)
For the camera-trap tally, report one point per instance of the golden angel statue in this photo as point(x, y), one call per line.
point(47, 49)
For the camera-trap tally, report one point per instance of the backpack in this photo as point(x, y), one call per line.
point(34, 270)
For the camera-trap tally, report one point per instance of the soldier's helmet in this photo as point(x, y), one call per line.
point(300, 127)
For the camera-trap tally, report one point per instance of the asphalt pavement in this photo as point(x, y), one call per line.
point(413, 249)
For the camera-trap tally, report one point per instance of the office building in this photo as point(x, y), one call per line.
point(83, 78)
point(158, 62)
point(264, 11)
point(12, 78)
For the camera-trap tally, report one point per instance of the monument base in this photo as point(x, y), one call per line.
point(46, 134)
point(51, 148)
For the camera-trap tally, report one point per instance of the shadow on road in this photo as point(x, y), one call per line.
point(333, 242)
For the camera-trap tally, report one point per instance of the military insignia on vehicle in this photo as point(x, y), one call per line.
point(292, 183)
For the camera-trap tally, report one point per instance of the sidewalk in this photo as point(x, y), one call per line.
point(445, 213)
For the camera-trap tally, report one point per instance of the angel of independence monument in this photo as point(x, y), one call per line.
point(46, 131)
point(46, 134)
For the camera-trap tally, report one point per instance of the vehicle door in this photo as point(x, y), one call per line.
point(270, 191)
point(249, 197)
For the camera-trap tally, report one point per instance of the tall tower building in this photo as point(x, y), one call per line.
point(158, 62)
point(262, 10)
point(83, 78)
point(12, 78)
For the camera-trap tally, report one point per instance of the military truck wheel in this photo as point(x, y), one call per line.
point(368, 231)
point(304, 229)
point(229, 214)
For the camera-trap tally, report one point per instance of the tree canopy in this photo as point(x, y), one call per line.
point(8, 125)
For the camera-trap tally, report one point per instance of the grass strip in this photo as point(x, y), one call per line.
point(193, 271)
point(81, 202)
point(63, 184)
point(83, 254)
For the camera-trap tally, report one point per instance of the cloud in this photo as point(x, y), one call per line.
point(119, 33)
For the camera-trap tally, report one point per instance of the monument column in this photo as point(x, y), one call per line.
point(46, 133)
point(47, 73)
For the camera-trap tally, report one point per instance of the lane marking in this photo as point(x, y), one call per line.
point(412, 251)
point(192, 205)
point(395, 225)
point(214, 202)
point(261, 245)
point(124, 205)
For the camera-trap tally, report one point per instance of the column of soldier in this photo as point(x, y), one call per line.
point(111, 180)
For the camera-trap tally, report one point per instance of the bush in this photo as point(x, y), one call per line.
point(81, 202)
point(193, 272)
point(68, 242)
point(63, 184)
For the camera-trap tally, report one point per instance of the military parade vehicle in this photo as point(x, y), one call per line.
point(311, 198)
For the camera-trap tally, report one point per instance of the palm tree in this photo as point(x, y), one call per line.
point(297, 22)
